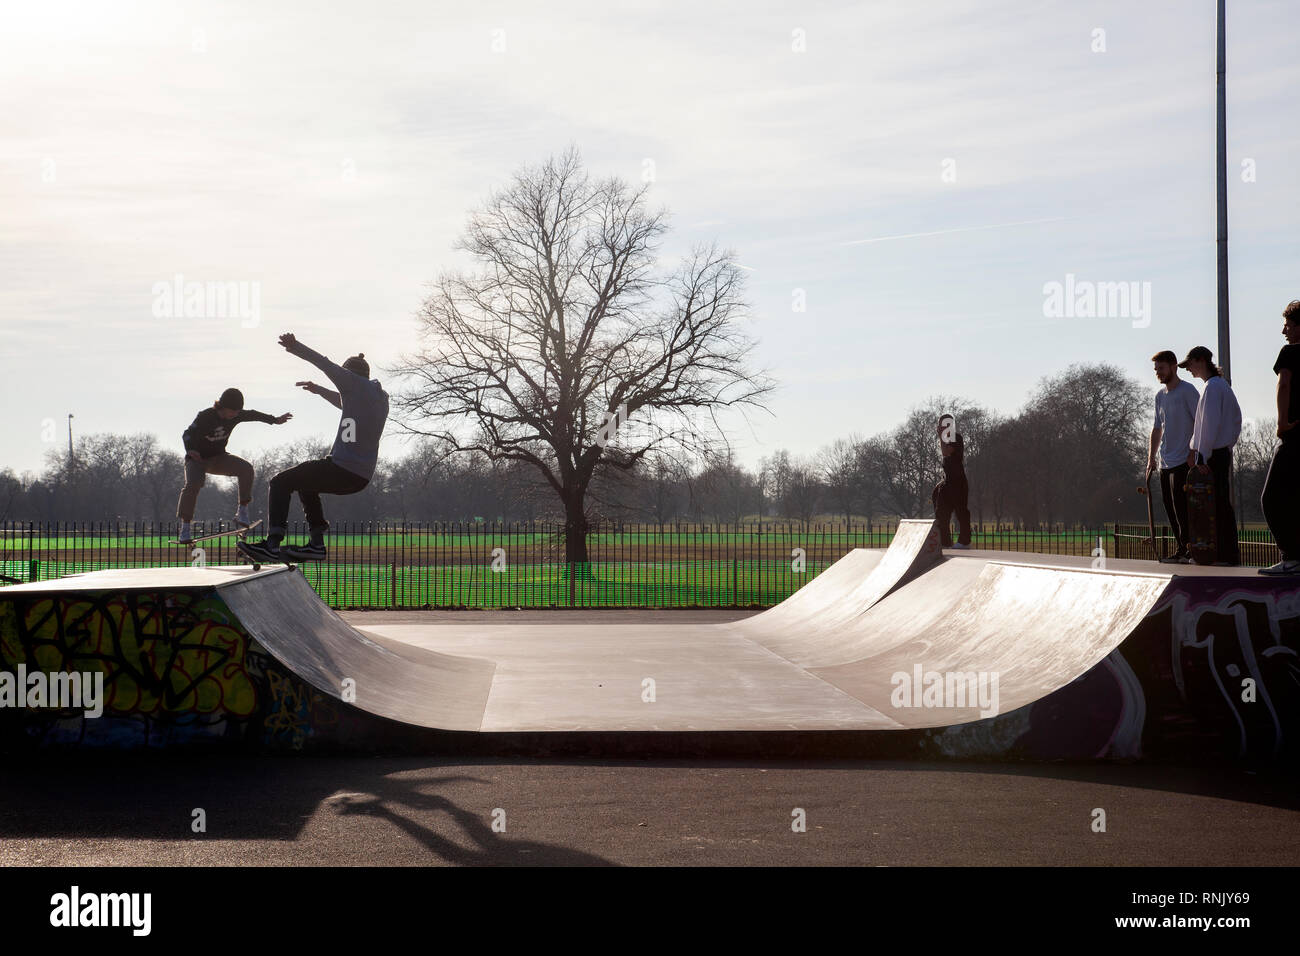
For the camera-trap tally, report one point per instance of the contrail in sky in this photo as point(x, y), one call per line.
point(944, 232)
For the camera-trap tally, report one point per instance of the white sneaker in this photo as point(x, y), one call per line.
point(1281, 568)
point(241, 517)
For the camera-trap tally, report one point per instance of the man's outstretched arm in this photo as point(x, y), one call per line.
point(340, 376)
point(330, 396)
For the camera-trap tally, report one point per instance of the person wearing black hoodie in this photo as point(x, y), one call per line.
point(950, 495)
point(205, 454)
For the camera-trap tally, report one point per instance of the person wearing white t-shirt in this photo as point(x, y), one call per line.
point(1217, 427)
point(1171, 436)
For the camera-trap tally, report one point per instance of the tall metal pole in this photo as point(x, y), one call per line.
point(1221, 159)
point(70, 458)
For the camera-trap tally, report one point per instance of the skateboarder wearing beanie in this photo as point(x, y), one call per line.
point(1217, 427)
point(205, 454)
point(951, 494)
point(346, 470)
point(1281, 508)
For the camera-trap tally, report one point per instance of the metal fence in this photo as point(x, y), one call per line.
point(492, 565)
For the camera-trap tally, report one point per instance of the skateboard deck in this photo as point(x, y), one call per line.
point(1202, 542)
point(1151, 516)
point(219, 534)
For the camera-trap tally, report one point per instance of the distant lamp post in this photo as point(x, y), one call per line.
point(71, 460)
point(1221, 189)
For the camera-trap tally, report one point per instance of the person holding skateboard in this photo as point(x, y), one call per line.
point(1171, 436)
point(1281, 508)
point(1215, 432)
point(950, 495)
point(205, 454)
point(346, 470)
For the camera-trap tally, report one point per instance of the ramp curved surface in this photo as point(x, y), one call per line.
point(848, 587)
point(400, 682)
point(1034, 628)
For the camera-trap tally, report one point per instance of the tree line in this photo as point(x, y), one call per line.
point(1073, 455)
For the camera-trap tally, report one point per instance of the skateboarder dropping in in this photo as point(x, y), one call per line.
point(1171, 436)
point(1279, 501)
point(1216, 429)
point(205, 454)
point(951, 494)
point(346, 470)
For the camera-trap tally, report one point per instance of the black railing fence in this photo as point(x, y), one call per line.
point(485, 564)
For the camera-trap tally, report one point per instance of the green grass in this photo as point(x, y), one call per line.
point(608, 584)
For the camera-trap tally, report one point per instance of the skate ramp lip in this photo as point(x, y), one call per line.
point(146, 579)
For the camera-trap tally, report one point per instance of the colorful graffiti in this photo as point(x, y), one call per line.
point(177, 668)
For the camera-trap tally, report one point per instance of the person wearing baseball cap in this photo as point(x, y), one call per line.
point(205, 454)
point(1215, 432)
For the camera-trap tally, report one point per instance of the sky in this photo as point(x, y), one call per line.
point(902, 182)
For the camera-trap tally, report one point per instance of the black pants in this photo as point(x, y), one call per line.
point(1174, 495)
point(1280, 502)
point(1225, 518)
point(950, 498)
point(311, 479)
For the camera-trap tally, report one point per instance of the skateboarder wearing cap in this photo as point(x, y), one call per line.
point(1171, 436)
point(1281, 509)
point(345, 471)
point(1216, 429)
point(205, 454)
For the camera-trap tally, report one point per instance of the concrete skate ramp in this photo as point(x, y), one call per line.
point(854, 583)
point(894, 618)
point(814, 666)
point(395, 680)
point(1034, 628)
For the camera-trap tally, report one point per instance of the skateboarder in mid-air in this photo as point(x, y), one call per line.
point(346, 470)
point(1279, 501)
point(1216, 430)
point(205, 454)
point(1171, 436)
point(951, 494)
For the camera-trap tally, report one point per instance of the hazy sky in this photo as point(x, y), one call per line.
point(329, 154)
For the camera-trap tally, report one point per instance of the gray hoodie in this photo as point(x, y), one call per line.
point(365, 410)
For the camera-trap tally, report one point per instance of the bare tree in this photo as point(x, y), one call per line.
point(567, 351)
point(840, 468)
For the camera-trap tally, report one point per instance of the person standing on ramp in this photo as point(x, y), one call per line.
point(950, 495)
point(1171, 436)
point(1279, 501)
point(1216, 430)
point(346, 470)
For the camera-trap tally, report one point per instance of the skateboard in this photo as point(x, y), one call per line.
point(1202, 543)
point(1151, 517)
point(242, 532)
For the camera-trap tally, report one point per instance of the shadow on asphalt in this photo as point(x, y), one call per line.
point(151, 797)
point(142, 797)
